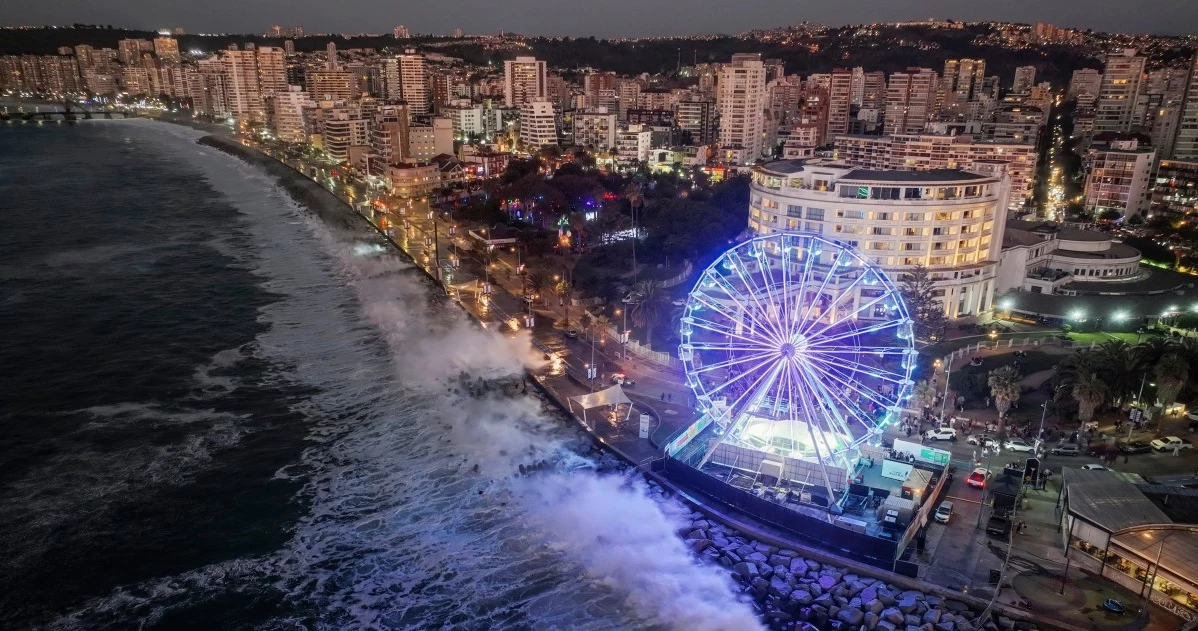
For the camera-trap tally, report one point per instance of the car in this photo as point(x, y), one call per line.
point(1018, 444)
point(1169, 443)
point(621, 379)
point(1067, 449)
point(999, 525)
point(571, 334)
point(944, 512)
point(978, 478)
point(941, 433)
point(986, 442)
point(1094, 467)
point(1135, 447)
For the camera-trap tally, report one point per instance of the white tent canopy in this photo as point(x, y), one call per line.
point(611, 396)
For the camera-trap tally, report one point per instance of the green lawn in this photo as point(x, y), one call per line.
point(971, 379)
point(1103, 336)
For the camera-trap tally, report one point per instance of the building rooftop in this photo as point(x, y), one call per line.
point(1151, 280)
point(1115, 251)
point(929, 177)
point(1110, 499)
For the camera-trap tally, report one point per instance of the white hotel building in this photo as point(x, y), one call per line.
point(947, 220)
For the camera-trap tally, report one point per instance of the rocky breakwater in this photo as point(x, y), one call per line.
point(793, 592)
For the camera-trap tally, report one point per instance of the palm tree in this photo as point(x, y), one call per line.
point(536, 281)
point(599, 323)
point(1121, 366)
point(563, 289)
point(1004, 388)
point(1172, 372)
point(651, 302)
point(1089, 391)
point(923, 394)
point(586, 321)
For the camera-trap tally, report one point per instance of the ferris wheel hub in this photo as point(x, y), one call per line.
point(788, 350)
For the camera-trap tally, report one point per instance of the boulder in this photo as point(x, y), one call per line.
point(885, 625)
point(764, 547)
point(699, 545)
point(850, 616)
point(736, 558)
point(747, 571)
point(827, 582)
point(871, 620)
point(824, 600)
point(895, 616)
point(931, 616)
point(697, 533)
point(907, 604)
point(874, 606)
point(743, 551)
point(760, 586)
point(869, 593)
point(778, 559)
point(801, 597)
point(779, 588)
point(787, 553)
point(798, 566)
point(758, 557)
point(813, 565)
point(700, 523)
point(944, 626)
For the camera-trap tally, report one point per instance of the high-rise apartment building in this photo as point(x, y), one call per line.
point(131, 50)
point(167, 49)
point(346, 134)
point(1118, 178)
point(244, 92)
point(1085, 81)
point(289, 117)
point(698, 118)
point(1117, 93)
point(873, 94)
point(401, 32)
point(1185, 147)
point(1025, 78)
point(333, 85)
point(741, 99)
point(414, 82)
point(272, 71)
point(595, 129)
point(538, 124)
point(388, 137)
point(330, 56)
point(524, 81)
point(910, 98)
point(840, 101)
point(962, 80)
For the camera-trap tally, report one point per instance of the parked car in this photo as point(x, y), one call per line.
point(1094, 467)
point(1066, 449)
point(1169, 443)
point(978, 478)
point(1020, 445)
point(944, 512)
point(1135, 447)
point(941, 433)
point(571, 334)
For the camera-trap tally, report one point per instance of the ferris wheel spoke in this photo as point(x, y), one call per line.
point(715, 327)
point(818, 426)
point(706, 346)
point(756, 322)
point(753, 290)
point(810, 310)
point(848, 291)
point(873, 328)
point(880, 373)
point(863, 350)
point(854, 410)
point(743, 375)
point(852, 316)
point(728, 363)
point(853, 385)
point(760, 320)
point(737, 405)
point(829, 401)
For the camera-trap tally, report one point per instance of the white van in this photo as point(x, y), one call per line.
point(944, 512)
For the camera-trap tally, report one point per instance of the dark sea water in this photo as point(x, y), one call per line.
point(218, 413)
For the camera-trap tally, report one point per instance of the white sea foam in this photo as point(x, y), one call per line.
point(416, 516)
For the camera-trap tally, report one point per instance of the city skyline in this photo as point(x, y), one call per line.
point(607, 18)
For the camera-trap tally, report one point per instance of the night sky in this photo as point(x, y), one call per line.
point(601, 18)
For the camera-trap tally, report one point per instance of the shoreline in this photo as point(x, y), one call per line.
point(750, 552)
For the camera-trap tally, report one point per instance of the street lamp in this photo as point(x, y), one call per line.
point(1119, 316)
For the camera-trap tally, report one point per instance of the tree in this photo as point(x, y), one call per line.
point(1172, 372)
point(563, 289)
point(536, 281)
point(1004, 389)
point(1089, 391)
point(923, 394)
point(651, 302)
point(918, 292)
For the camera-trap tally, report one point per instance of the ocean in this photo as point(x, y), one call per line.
point(219, 412)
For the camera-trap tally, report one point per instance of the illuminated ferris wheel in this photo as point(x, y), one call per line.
point(798, 349)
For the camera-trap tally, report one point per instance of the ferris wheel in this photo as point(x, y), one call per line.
point(797, 347)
